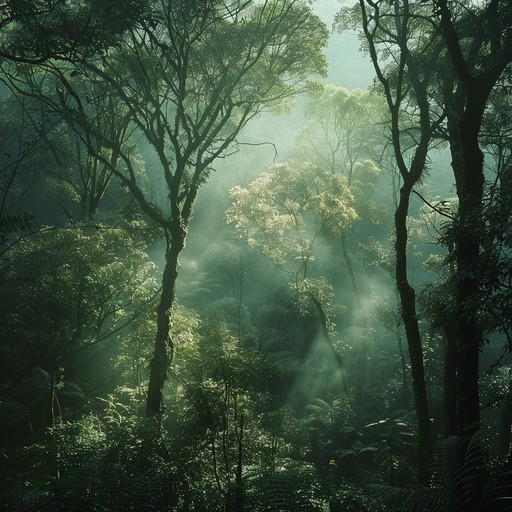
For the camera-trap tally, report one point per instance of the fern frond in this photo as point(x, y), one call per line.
point(14, 223)
point(420, 499)
point(465, 458)
point(457, 471)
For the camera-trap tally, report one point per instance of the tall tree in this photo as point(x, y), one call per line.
point(479, 60)
point(283, 214)
point(192, 75)
point(73, 177)
point(69, 289)
point(388, 30)
point(344, 135)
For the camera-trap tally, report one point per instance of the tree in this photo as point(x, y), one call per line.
point(60, 157)
point(284, 213)
point(437, 302)
point(71, 289)
point(399, 40)
point(478, 62)
point(192, 75)
point(344, 135)
point(495, 141)
point(39, 30)
point(225, 422)
point(343, 128)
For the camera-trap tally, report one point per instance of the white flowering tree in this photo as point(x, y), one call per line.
point(284, 213)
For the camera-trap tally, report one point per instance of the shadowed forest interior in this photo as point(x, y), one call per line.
point(255, 255)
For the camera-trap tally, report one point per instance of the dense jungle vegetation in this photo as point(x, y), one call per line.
point(230, 281)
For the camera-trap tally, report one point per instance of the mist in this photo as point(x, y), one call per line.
point(255, 256)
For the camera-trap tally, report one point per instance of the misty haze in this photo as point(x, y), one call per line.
point(255, 255)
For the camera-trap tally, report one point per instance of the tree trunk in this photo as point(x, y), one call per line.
point(360, 317)
point(403, 368)
point(352, 274)
point(163, 348)
point(395, 92)
point(467, 254)
point(239, 492)
point(506, 423)
point(467, 161)
point(407, 296)
point(330, 344)
point(450, 380)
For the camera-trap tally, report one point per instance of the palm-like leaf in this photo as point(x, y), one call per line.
point(456, 483)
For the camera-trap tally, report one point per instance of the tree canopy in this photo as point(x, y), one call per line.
point(227, 285)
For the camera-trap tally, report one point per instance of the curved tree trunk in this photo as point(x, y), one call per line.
point(328, 340)
point(407, 296)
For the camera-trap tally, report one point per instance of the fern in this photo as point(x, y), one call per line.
point(14, 223)
point(70, 394)
point(278, 492)
point(457, 471)
point(419, 499)
point(30, 387)
point(463, 470)
point(94, 487)
point(293, 490)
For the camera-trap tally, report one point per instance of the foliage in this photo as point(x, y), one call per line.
point(251, 413)
point(55, 29)
point(223, 399)
point(188, 94)
point(288, 208)
point(294, 489)
point(14, 224)
point(459, 463)
point(352, 499)
point(109, 462)
point(97, 273)
point(343, 129)
point(72, 289)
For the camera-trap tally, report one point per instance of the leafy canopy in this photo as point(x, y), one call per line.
point(287, 208)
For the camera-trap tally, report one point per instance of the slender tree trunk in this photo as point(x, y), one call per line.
point(327, 337)
point(506, 424)
point(407, 296)
point(395, 93)
point(403, 368)
point(360, 318)
point(239, 492)
point(50, 414)
point(351, 273)
point(163, 347)
point(450, 380)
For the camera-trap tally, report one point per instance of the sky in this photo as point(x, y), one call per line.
point(348, 67)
